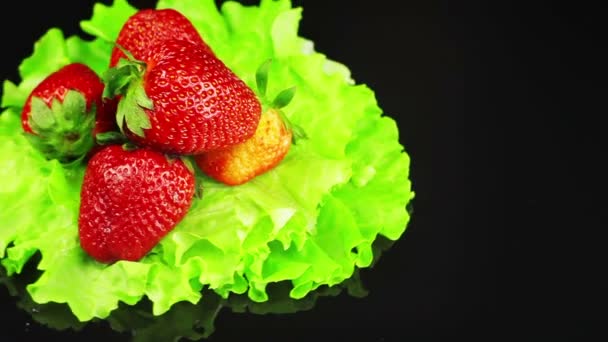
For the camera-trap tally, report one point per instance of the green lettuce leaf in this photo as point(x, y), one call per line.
point(107, 21)
point(311, 221)
point(184, 320)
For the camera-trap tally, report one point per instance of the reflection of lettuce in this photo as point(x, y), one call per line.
point(183, 319)
point(310, 221)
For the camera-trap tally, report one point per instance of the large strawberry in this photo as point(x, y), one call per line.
point(148, 27)
point(238, 164)
point(181, 99)
point(130, 199)
point(65, 110)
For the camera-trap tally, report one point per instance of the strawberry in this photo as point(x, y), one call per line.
point(181, 99)
point(62, 113)
point(240, 163)
point(148, 27)
point(130, 199)
point(237, 164)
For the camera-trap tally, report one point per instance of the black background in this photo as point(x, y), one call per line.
point(496, 106)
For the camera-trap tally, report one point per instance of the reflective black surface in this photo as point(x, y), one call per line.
point(184, 320)
point(496, 105)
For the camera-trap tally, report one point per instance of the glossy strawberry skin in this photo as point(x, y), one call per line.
point(148, 27)
point(66, 141)
point(75, 76)
point(130, 199)
point(239, 164)
point(199, 103)
point(106, 119)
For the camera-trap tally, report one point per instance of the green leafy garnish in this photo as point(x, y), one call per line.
point(310, 221)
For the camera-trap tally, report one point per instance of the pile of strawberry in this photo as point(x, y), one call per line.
point(165, 100)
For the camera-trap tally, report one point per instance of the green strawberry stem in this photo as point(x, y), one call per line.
point(280, 101)
point(63, 130)
point(126, 80)
point(108, 138)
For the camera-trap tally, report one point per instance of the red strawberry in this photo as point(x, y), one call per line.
point(240, 163)
point(62, 112)
point(148, 27)
point(130, 199)
point(262, 152)
point(182, 99)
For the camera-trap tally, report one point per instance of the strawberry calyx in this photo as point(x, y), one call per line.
point(62, 130)
point(125, 80)
point(110, 138)
point(282, 99)
point(129, 146)
point(188, 163)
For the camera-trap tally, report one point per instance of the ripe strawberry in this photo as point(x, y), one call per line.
point(62, 112)
point(148, 27)
point(237, 164)
point(182, 99)
point(130, 199)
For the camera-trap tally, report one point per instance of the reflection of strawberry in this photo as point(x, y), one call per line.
point(181, 99)
point(262, 152)
point(148, 27)
point(130, 199)
point(63, 112)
